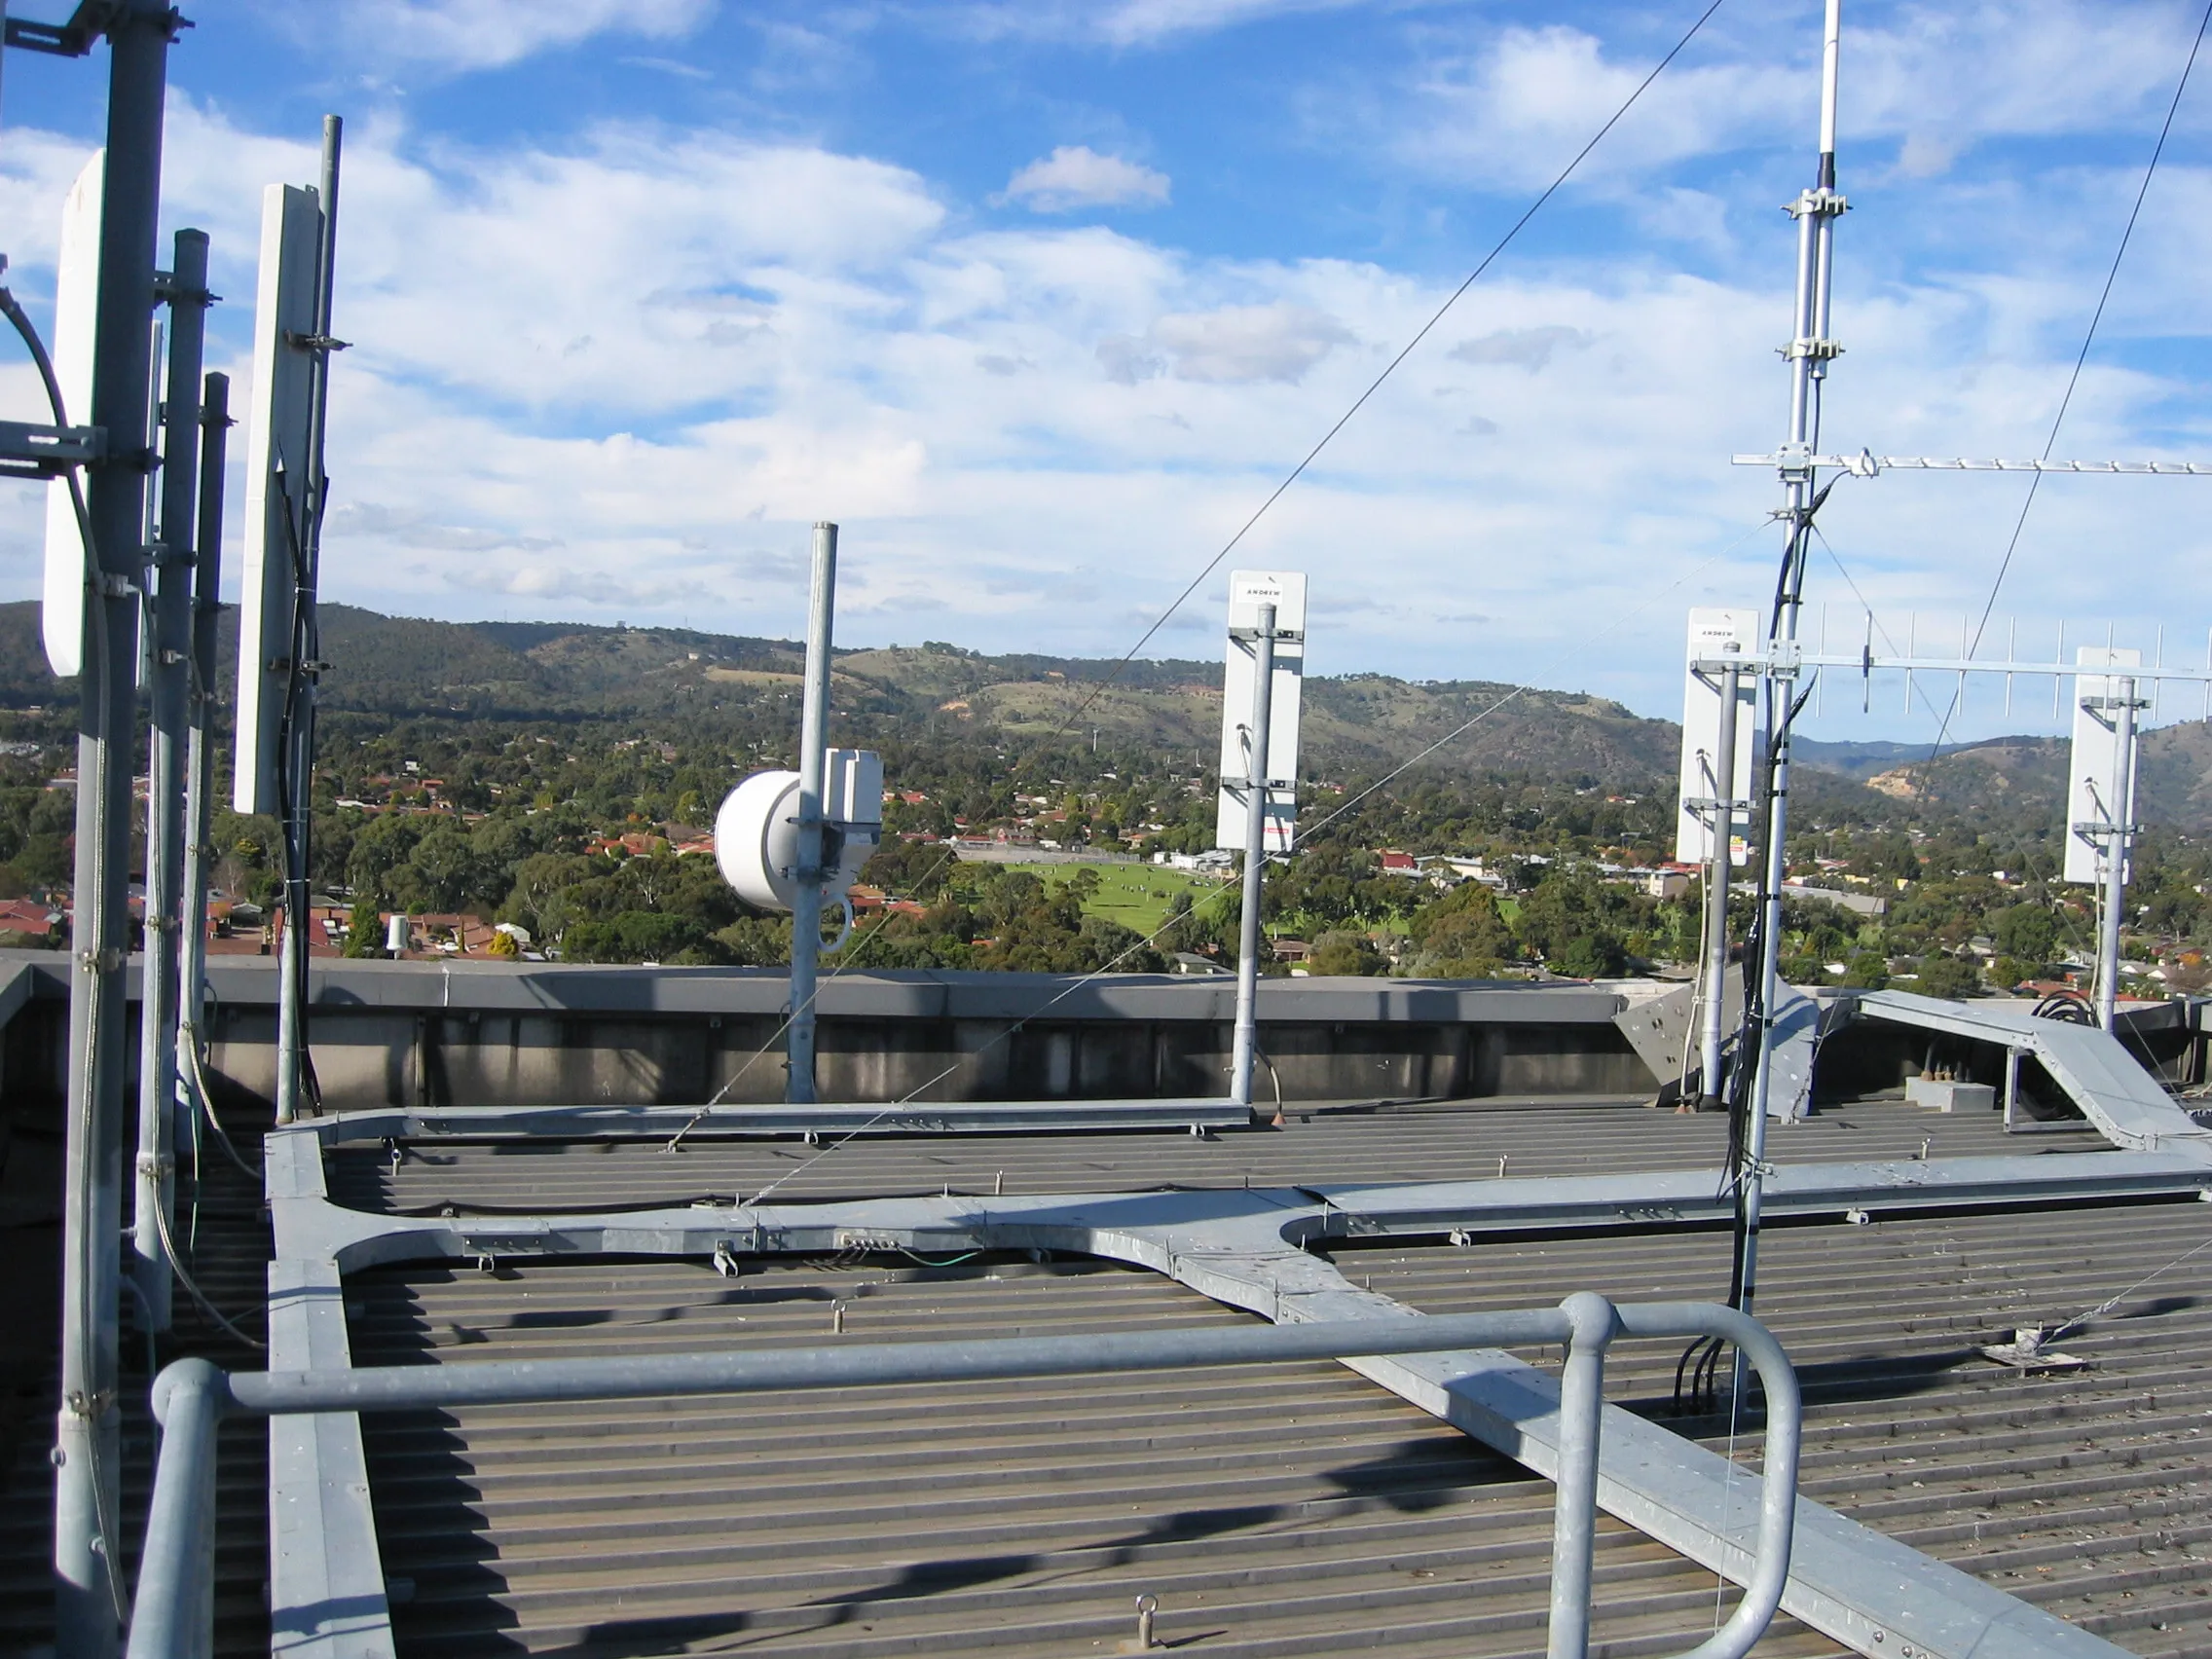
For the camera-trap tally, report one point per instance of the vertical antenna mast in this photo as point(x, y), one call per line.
point(813, 765)
point(304, 657)
point(1809, 351)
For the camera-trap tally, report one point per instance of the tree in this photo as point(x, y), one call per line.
point(2028, 932)
point(364, 928)
point(1570, 921)
point(1868, 971)
point(1461, 935)
point(443, 873)
point(1588, 956)
point(1944, 976)
point(1344, 952)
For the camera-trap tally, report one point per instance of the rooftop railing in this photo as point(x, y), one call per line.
point(173, 1617)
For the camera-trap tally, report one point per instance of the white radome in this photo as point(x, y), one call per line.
point(756, 830)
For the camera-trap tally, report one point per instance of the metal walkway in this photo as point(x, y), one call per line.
point(2092, 1065)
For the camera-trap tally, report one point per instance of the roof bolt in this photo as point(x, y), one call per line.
point(998, 1186)
point(1501, 1167)
point(836, 1318)
point(1147, 1605)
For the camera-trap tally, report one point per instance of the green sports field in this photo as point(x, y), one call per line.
point(1137, 896)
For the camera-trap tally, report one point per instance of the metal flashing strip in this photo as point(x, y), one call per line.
point(308, 1226)
point(1245, 1248)
point(2094, 1066)
point(697, 1123)
point(326, 1593)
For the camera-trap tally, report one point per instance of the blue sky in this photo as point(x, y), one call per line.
point(1039, 300)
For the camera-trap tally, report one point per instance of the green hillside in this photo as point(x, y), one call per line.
point(404, 668)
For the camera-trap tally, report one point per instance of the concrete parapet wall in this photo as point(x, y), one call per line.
point(429, 1035)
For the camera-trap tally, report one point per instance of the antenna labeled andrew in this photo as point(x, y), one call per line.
point(1248, 591)
point(2100, 780)
point(1714, 794)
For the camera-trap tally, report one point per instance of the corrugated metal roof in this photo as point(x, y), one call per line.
point(1293, 1511)
point(227, 1246)
point(1276, 1513)
point(1382, 1144)
point(2085, 1493)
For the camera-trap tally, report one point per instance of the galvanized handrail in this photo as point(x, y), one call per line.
point(174, 1611)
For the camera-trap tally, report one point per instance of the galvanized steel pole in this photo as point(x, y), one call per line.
point(88, 1534)
point(156, 1190)
point(200, 757)
point(1712, 1026)
point(1574, 1506)
point(298, 734)
point(813, 742)
point(2120, 704)
point(1256, 781)
point(1810, 351)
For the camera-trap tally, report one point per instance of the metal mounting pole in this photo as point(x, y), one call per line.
point(88, 1458)
point(1810, 352)
point(156, 1191)
point(199, 755)
point(1713, 1021)
point(813, 742)
point(1256, 782)
point(298, 735)
point(2117, 840)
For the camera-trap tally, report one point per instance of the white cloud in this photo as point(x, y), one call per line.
point(1126, 23)
point(1240, 345)
point(462, 35)
point(1075, 176)
point(1130, 23)
point(621, 375)
point(1529, 349)
point(1505, 107)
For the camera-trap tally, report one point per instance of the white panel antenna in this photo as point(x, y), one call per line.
point(1713, 632)
point(1247, 591)
point(2100, 784)
point(75, 314)
point(276, 484)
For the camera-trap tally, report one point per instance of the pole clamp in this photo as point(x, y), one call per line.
point(90, 1407)
point(112, 584)
point(167, 288)
point(106, 961)
point(316, 342)
point(155, 1165)
point(1812, 346)
point(1824, 202)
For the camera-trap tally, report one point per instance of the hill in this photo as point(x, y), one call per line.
point(393, 668)
point(409, 668)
